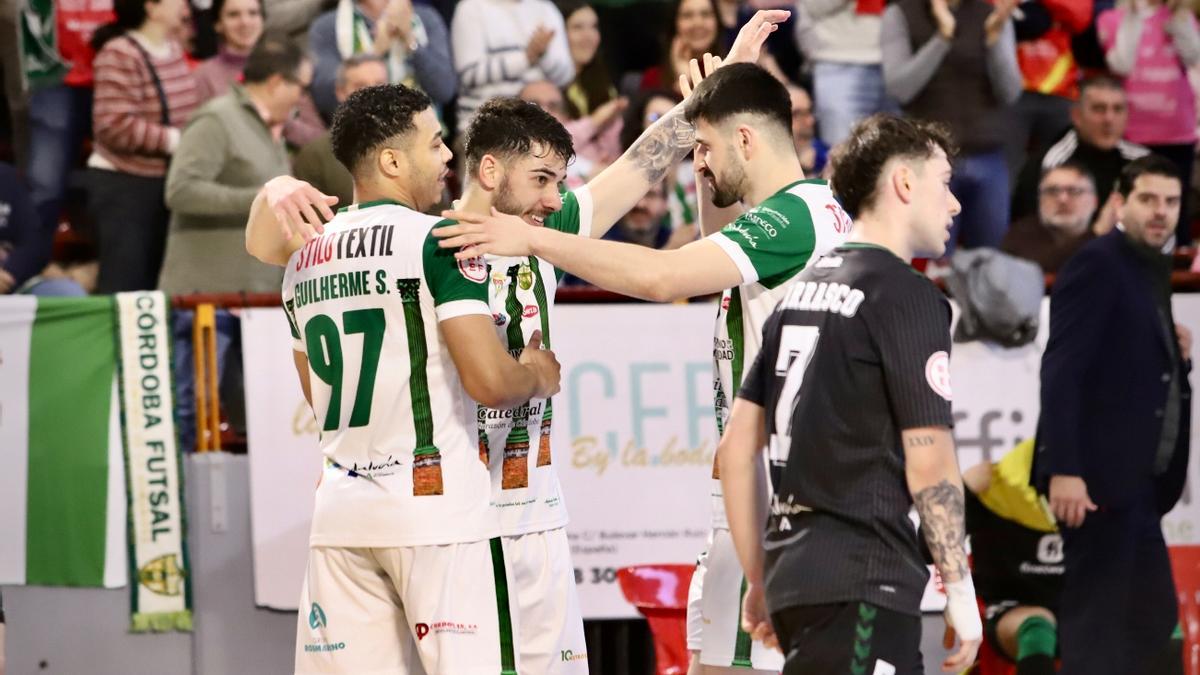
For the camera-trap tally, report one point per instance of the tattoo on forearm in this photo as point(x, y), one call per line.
point(941, 509)
point(662, 145)
point(923, 441)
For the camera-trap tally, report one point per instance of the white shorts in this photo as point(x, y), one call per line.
point(403, 610)
point(714, 615)
point(545, 606)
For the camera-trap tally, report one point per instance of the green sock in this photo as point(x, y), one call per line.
point(1036, 636)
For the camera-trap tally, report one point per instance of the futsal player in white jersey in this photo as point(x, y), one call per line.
point(393, 340)
point(742, 120)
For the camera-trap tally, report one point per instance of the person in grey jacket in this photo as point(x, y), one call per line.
point(841, 39)
point(412, 38)
point(955, 62)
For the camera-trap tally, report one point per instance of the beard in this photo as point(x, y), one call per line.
point(505, 201)
point(730, 188)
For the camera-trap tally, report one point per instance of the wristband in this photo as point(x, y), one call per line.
point(962, 609)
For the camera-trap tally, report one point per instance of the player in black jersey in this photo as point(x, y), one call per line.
point(850, 396)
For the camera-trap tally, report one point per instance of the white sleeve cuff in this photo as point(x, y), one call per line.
point(737, 255)
point(457, 308)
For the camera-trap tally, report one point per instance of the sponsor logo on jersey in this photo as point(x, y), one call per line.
point(742, 231)
point(937, 374)
point(569, 655)
point(316, 617)
point(474, 270)
point(324, 647)
point(498, 280)
point(530, 311)
point(841, 219)
point(440, 627)
point(1050, 549)
point(499, 319)
point(725, 302)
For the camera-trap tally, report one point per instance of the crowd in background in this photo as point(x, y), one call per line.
point(143, 129)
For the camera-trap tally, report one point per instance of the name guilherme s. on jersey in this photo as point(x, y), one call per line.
point(855, 353)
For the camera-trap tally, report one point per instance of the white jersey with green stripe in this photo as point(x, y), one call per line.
point(526, 493)
point(771, 244)
point(397, 428)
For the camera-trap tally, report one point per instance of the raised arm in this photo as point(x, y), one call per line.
point(619, 187)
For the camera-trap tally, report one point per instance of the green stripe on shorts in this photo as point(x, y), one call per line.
point(742, 647)
point(508, 660)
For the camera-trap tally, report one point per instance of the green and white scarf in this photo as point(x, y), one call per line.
point(40, 61)
point(354, 37)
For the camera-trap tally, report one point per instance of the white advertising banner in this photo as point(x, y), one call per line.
point(285, 460)
point(633, 439)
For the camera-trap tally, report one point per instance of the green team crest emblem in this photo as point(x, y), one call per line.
point(525, 276)
point(162, 575)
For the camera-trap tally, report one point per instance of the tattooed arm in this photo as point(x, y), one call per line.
point(933, 479)
point(655, 153)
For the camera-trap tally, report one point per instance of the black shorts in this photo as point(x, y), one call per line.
point(848, 637)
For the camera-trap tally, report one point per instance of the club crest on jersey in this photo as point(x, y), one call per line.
point(525, 276)
point(530, 311)
point(474, 270)
point(498, 280)
point(937, 374)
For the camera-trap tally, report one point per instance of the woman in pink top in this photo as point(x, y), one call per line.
point(144, 94)
point(1151, 45)
point(239, 23)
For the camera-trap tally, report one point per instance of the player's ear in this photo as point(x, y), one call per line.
point(903, 181)
point(746, 139)
point(391, 162)
point(490, 172)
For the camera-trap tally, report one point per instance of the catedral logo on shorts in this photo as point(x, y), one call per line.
point(439, 627)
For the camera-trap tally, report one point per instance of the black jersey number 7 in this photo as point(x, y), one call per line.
point(796, 347)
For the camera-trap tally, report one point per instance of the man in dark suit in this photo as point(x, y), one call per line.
point(1114, 432)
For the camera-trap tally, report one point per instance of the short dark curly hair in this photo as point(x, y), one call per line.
point(509, 126)
point(878, 139)
point(739, 88)
point(370, 117)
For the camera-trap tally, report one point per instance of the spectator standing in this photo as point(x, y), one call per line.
point(229, 149)
point(955, 62)
point(144, 94)
point(596, 136)
point(842, 40)
point(1063, 223)
point(315, 163)
point(239, 24)
point(693, 32)
point(1113, 436)
point(1152, 44)
point(1098, 121)
point(499, 45)
point(410, 37)
point(593, 86)
point(57, 62)
point(24, 249)
point(1049, 74)
point(813, 152)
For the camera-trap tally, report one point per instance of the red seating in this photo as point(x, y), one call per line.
point(1185, 565)
point(660, 593)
